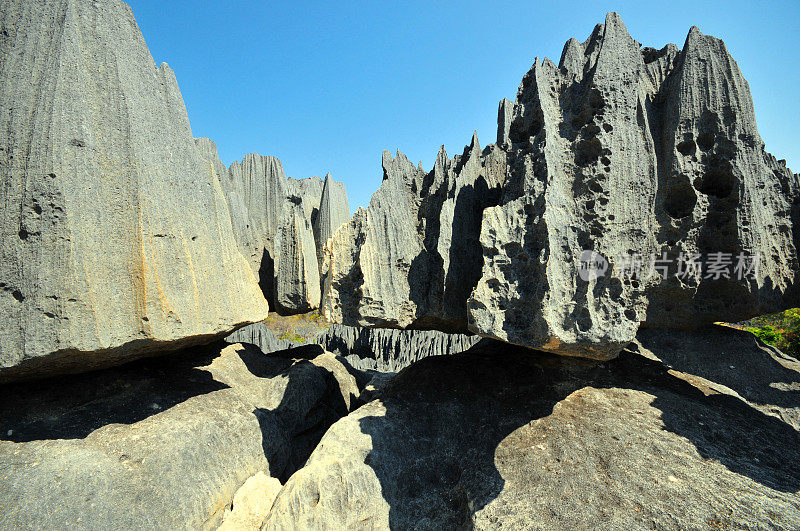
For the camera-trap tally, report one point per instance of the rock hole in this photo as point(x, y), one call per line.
point(17, 294)
point(78, 143)
point(23, 234)
point(584, 319)
point(681, 200)
point(588, 151)
point(608, 128)
point(718, 180)
point(705, 141)
point(687, 147)
point(605, 161)
point(630, 315)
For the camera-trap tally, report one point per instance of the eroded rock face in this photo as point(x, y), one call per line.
point(115, 236)
point(334, 211)
point(281, 224)
point(163, 442)
point(619, 156)
point(664, 436)
point(297, 286)
point(409, 260)
point(387, 350)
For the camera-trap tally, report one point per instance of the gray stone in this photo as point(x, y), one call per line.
point(259, 335)
point(411, 258)
point(503, 436)
point(116, 239)
point(161, 443)
point(297, 284)
point(619, 154)
point(388, 350)
point(279, 223)
point(334, 211)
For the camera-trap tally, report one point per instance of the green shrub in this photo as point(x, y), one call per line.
point(781, 330)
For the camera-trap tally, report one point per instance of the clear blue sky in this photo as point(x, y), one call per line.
point(326, 86)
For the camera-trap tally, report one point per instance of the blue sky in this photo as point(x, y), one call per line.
point(326, 86)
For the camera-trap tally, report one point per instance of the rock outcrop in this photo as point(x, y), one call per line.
point(115, 236)
point(411, 258)
point(163, 443)
point(667, 436)
point(615, 173)
point(280, 225)
point(389, 350)
point(334, 211)
point(376, 349)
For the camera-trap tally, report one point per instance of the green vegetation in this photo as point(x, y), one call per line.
point(781, 330)
point(291, 336)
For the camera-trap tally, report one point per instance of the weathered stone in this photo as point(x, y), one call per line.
point(506, 436)
point(161, 443)
point(411, 258)
point(116, 240)
point(266, 206)
point(297, 285)
point(259, 335)
point(251, 503)
point(388, 350)
point(619, 155)
point(334, 211)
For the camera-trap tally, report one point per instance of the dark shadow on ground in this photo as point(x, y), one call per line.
point(734, 358)
point(311, 402)
point(72, 407)
point(434, 450)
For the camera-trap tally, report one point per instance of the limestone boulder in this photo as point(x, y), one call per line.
point(668, 435)
point(115, 236)
point(165, 442)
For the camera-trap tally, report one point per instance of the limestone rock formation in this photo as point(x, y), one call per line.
point(614, 173)
point(501, 435)
point(387, 350)
point(411, 258)
point(115, 236)
point(334, 211)
point(259, 335)
point(297, 285)
point(280, 223)
point(251, 503)
point(162, 443)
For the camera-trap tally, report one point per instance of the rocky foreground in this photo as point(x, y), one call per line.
point(687, 429)
point(522, 337)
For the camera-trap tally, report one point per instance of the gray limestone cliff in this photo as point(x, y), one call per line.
point(411, 258)
point(279, 224)
point(115, 236)
point(613, 173)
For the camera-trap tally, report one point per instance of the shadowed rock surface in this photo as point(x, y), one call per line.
point(630, 153)
point(162, 443)
point(387, 350)
point(115, 237)
point(375, 349)
point(501, 435)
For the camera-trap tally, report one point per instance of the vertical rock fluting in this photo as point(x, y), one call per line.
point(278, 223)
point(116, 237)
point(583, 176)
point(411, 258)
point(297, 286)
point(334, 211)
point(636, 157)
point(718, 192)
